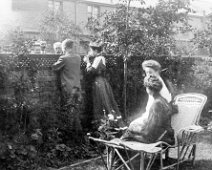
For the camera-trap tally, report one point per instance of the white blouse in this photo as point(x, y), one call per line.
point(164, 93)
point(97, 61)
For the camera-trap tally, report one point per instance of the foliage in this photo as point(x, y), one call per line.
point(142, 31)
point(203, 38)
point(37, 135)
point(203, 74)
point(32, 133)
point(19, 43)
point(57, 27)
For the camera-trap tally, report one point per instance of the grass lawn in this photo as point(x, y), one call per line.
point(203, 158)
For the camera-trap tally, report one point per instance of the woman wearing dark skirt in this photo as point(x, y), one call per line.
point(158, 123)
point(104, 105)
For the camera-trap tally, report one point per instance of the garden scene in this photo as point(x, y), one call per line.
point(48, 118)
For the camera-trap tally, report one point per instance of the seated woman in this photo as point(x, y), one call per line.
point(168, 90)
point(152, 67)
point(158, 122)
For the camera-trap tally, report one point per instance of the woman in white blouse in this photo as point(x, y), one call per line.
point(153, 68)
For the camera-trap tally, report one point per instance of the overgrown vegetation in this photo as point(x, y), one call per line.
point(145, 32)
point(203, 38)
point(36, 132)
point(141, 31)
point(57, 27)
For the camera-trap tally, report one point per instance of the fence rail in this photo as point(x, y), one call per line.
point(35, 73)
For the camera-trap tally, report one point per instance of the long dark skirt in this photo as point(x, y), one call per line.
point(103, 99)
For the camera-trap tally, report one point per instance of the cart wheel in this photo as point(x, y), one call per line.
point(194, 154)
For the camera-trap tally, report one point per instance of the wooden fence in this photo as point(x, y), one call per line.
point(34, 73)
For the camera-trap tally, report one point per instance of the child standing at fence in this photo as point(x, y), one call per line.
point(69, 67)
point(58, 48)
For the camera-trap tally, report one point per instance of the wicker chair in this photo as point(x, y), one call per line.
point(186, 126)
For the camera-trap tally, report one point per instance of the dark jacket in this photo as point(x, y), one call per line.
point(69, 67)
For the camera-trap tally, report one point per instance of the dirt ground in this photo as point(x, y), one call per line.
point(203, 158)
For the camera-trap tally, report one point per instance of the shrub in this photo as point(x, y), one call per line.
point(34, 124)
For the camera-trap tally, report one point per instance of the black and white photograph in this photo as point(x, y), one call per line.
point(105, 84)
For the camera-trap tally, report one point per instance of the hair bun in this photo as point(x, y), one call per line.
point(153, 83)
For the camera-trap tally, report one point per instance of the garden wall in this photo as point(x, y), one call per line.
point(35, 131)
point(34, 75)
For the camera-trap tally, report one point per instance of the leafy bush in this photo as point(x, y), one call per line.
point(38, 134)
point(35, 133)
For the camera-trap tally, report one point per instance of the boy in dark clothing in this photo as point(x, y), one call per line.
point(69, 67)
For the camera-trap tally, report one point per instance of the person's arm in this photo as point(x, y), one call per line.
point(171, 87)
point(59, 64)
point(173, 90)
point(89, 67)
point(98, 62)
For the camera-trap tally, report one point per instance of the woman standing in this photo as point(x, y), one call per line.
point(104, 105)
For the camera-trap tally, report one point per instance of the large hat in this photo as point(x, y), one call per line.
point(152, 64)
point(97, 44)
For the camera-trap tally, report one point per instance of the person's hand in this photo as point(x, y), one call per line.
point(111, 117)
point(86, 59)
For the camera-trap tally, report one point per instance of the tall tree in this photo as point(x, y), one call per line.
point(144, 31)
point(57, 27)
point(203, 38)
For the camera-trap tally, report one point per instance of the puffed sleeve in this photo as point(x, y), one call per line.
point(97, 63)
point(59, 64)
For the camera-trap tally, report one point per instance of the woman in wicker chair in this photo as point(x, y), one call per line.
point(158, 122)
